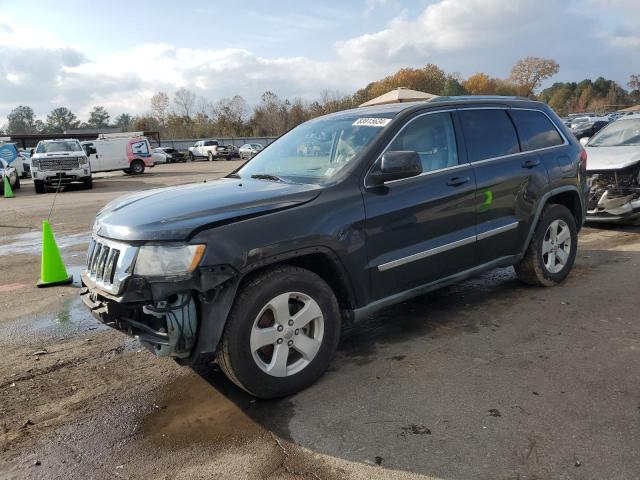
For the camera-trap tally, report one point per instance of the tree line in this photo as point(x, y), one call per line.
point(187, 115)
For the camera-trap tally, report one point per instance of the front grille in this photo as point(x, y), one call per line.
point(109, 263)
point(56, 164)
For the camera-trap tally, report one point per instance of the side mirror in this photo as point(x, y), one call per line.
point(395, 166)
point(31, 152)
point(584, 141)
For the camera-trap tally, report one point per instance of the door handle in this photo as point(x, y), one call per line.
point(530, 163)
point(457, 181)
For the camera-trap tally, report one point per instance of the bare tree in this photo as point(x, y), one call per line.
point(160, 107)
point(528, 73)
point(634, 82)
point(184, 101)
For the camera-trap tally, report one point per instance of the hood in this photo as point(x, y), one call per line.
point(173, 213)
point(612, 158)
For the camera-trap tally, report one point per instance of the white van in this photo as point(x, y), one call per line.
point(128, 151)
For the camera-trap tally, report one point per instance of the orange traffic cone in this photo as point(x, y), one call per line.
point(52, 269)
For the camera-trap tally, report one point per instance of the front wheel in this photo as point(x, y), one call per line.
point(552, 250)
point(16, 185)
point(88, 183)
point(39, 186)
point(281, 333)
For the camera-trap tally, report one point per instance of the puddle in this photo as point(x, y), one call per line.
point(196, 412)
point(68, 320)
point(31, 242)
point(208, 409)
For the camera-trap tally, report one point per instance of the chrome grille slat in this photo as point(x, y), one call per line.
point(59, 164)
point(109, 263)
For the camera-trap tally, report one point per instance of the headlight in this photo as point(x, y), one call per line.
point(164, 260)
point(83, 160)
point(35, 163)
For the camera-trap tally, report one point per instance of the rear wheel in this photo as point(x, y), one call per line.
point(281, 333)
point(39, 186)
point(210, 156)
point(137, 167)
point(552, 250)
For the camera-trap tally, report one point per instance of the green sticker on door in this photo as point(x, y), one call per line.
point(488, 200)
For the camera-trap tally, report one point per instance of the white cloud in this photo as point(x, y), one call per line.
point(459, 35)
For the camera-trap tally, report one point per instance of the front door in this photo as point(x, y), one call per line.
point(422, 229)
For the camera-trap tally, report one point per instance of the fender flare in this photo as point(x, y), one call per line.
point(215, 307)
point(542, 203)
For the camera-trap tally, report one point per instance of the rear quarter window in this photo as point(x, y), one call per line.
point(488, 134)
point(535, 130)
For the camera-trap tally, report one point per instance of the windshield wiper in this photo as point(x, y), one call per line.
point(267, 176)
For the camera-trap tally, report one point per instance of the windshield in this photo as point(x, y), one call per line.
point(61, 146)
point(619, 133)
point(315, 151)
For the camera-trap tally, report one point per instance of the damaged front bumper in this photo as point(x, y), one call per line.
point(614, 196)
point(179, 317)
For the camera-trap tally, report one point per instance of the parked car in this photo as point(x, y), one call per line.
point(172, 155)
point(10, 153)
point(26, 163)
point(128, 151)
point(613, 172)
point(60, 162)
point(159, 156)
point(249, 150)
point(262, 267)
point(590, 128)
point(204, 149)
point(11, 173)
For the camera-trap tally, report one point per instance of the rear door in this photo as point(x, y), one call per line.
point(509, 181)
point(422, 229)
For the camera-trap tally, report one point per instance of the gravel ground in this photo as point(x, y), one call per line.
point(485, 379)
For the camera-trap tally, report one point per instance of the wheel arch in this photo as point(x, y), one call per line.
point(320, 260)
point(569, 196)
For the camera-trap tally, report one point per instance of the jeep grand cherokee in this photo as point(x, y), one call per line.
point(343, 215)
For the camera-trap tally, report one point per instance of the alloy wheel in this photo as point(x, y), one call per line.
point(556, 246)
point(287, 334)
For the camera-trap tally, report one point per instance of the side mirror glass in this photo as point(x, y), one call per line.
point(395, 165)
point(584, 141)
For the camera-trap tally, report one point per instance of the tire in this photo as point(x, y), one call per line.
point(210, 157)
point(256, 371)
point(17, 184)
point(191, 156)
point(88, 183)
point(137, 167)
point(546, 269)
point(39, 186)
point(127, 171)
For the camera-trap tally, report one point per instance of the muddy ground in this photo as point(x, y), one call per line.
point(485, 379)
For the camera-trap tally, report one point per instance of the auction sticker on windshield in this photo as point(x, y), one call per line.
point(371, 122)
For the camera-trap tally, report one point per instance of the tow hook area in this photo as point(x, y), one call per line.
point(177, 335)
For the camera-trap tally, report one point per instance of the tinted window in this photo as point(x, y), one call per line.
point(210, 143)
point(535, 129)
point(433, 137)
point(488, 133)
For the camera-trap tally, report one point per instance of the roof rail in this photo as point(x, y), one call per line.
point(478, 97)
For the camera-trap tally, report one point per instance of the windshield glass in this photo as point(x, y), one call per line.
point(619, 133)
point(315, 151)
point(61, 146)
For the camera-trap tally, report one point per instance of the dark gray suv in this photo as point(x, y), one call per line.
point(343, 215)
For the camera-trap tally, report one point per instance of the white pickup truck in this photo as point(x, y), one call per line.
point(210, 149)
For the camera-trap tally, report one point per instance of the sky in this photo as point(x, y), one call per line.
point(119, 53)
